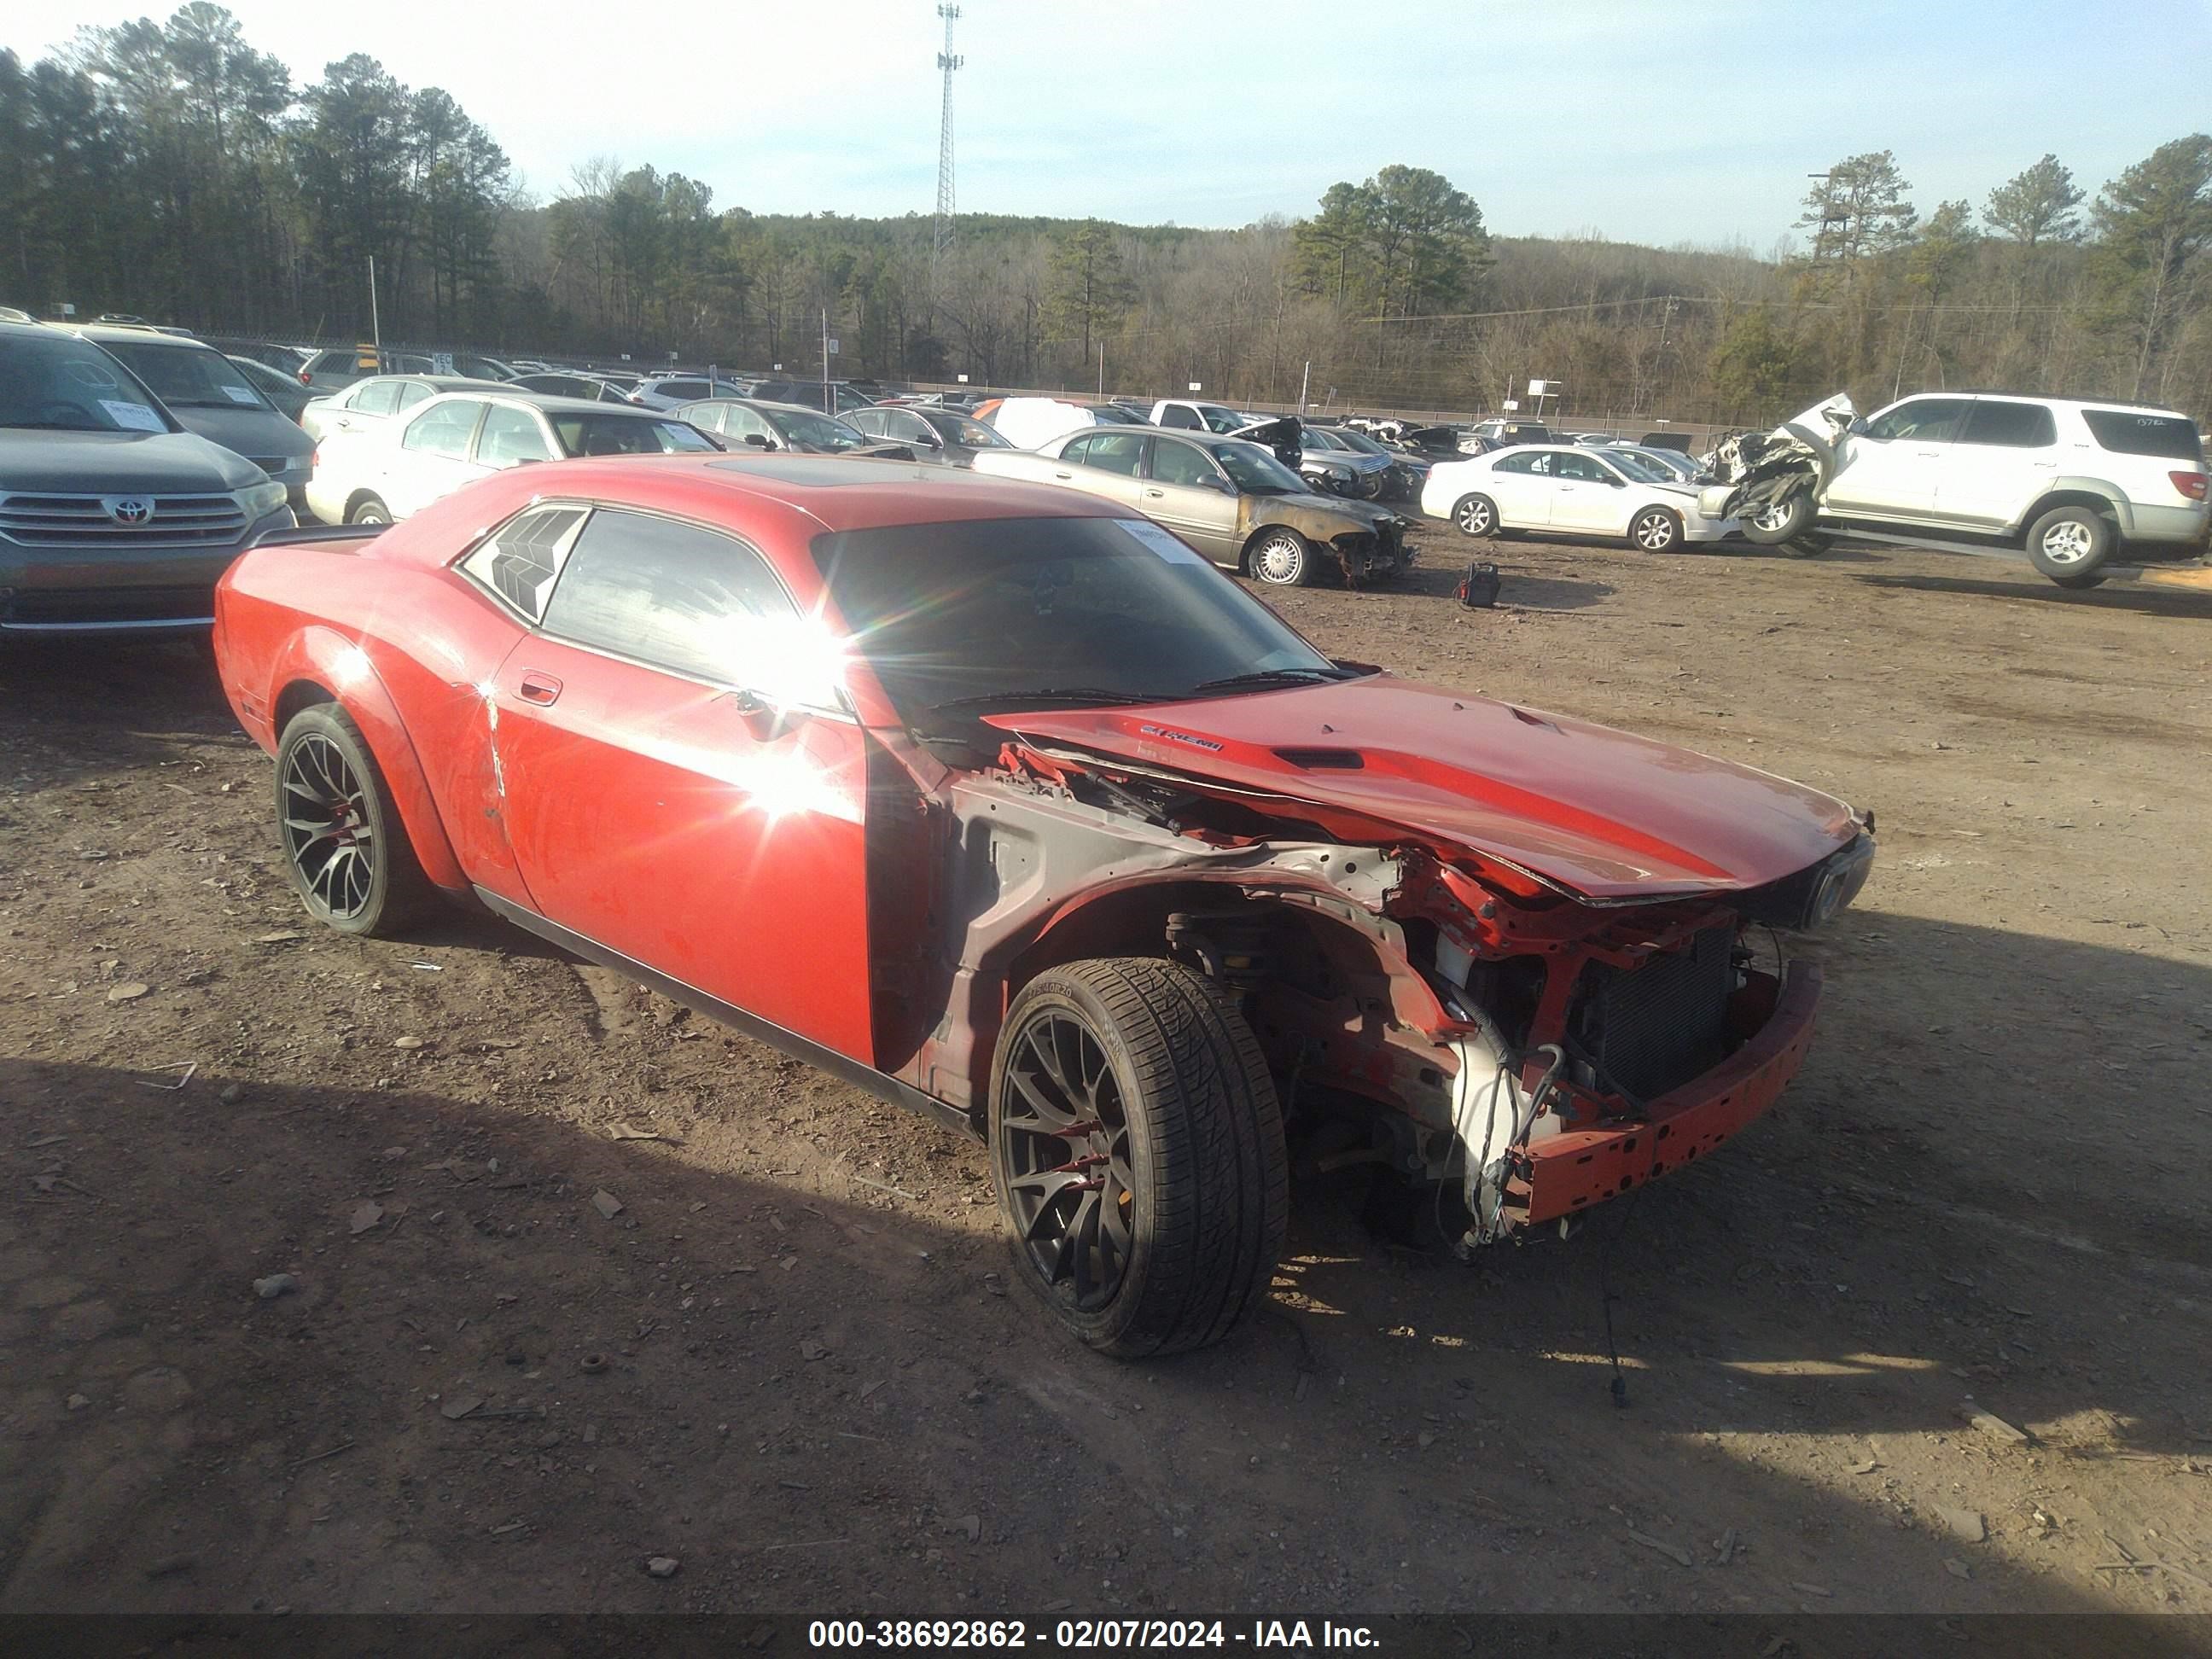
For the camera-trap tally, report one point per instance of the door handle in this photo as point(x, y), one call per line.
point(1155, 494)
point(541, 689)
point(1063, 474)
point(1928, 454)
point(2047, 466)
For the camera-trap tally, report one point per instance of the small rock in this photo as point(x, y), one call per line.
point(77, 1402)
point(232, 1093)
point(460, 1406)
point(1676, 1552)
point(169, 1565)
point(969, 1525)
point(1965, 1525)
point(366, 1215)
point(811, 1350)
point(516, 1357)
point(281, 936)
point(1812, 1589)
point(610, 1207)
point(1957, 1568)
point(662, 1566)
point(129, 992)
point(1991, 1424)
point(409, 1041)
point(1866, 1468)
point(275, 1285)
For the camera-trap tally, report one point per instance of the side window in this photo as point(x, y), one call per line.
point(1929, 420)
point(909, 429)
point(2013, 426)
point(376, 397)
point(411, 392)
point(673, 594)
point(863, 421)
point(1110, 451)
point(519, 562)
point(1178, 414)
point(1511, 462)
point(741, 424)
point(1177, 463)
point(1581, 469)
point(510, 435)
point(444, 430)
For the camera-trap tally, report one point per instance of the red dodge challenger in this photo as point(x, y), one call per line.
point(1001, 802)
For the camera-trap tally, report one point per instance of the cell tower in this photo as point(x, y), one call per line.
point(948, 62)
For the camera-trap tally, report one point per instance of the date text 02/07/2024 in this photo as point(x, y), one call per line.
point(1086, 1633)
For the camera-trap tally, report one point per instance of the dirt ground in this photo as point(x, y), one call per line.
point(791, 1361)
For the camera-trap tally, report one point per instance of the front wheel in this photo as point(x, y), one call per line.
point(1282, 558)
point(1655, 530)
point(1137, 1148)
point(368, 510)
point(1475, 515)
point(1781, 521)
point(2070, 545)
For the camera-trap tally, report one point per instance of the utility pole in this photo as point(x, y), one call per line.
point(829, 401)
point(375, 328)
point(946, 63)
point(1305, 380)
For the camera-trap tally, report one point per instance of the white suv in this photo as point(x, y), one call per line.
point(2067, 479)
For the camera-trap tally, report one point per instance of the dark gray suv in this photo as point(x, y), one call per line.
point(113, 519)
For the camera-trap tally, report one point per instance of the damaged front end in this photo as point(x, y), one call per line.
point(1773, 481)
point(1442, 1011)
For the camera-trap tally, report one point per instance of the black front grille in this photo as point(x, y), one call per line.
point(35, 607)
point(1647, 1029)
point(87, 521)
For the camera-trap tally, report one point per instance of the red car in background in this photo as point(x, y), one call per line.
point(1005, 803)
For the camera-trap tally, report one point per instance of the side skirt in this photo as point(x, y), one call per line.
point(878, 1084)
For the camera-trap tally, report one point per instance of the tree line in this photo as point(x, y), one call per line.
point(171, 170)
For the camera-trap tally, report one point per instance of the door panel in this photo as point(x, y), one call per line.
point(1523, 498)
point(684, 824)
point(1204, 516)
point(1583, 498)
point(1892, 466)
point(1102, 464)
point(2006, 455)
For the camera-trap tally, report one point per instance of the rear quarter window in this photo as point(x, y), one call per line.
point(2125, 432)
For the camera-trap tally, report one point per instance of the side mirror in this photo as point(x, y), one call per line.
point(1858, 427)
point(759, 441)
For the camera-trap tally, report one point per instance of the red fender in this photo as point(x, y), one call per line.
point(346, 670)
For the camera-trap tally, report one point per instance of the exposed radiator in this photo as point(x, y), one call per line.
point(1651, 1029)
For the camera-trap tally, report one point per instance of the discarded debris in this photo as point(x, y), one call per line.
point(317, 1457)
point(1725, 1550)
point(1680, 1556)
point(183, 1068)
point(1989, 1424)
point(591, 1363)
point(868, 1389)
point(129, 992)
point(970, 1525)
point(1812, 1589)
point(366, 1215)
point(410, 1041)
point(1965, 1525)
point(427, 966)
point(1957, 1568)
point(460, 1406)
point(606, 1204)
point(232, 1093)
point(662, 1566)
point(76, 1402)
point(628, 1132)
point(1866, 1468)
point(885, 1187)
point(811, 1350)
point(56, 1140)
point(275, 1285)
point(170, 1565)
point(281, 936)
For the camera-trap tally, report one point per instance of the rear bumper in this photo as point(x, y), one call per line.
point(2167, 524)
point(1569, 1172)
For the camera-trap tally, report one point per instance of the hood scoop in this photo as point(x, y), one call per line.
point(1322, 760)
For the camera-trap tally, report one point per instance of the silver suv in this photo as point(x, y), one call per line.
point(113, 519)
point(2066, 479)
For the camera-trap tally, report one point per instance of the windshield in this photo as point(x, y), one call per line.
point(959, 429)
point(188, 377)
point(1357, 442)
point(626, 435)
point(1641, 467)
point(816, 431)
point(1255, 472)
point(989, 613)
point(59, 382)
point(1218, 419)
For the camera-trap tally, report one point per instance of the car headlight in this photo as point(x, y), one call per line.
point(260, 499)
point(1815, 896)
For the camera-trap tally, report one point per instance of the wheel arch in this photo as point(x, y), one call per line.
point(322, 666)
point(2096, 495)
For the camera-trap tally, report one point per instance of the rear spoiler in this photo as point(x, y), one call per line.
point(302, 534)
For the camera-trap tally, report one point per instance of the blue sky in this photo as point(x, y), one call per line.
point(1678, 120)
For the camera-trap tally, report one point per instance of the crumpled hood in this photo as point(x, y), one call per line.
point(1600, 813)
point(119, 464)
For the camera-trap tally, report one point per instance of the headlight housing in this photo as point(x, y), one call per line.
point(260, 499)
point(1814, 896)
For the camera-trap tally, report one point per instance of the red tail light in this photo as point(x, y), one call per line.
point(314, 457)
point(2190, 485)
point(306, 378)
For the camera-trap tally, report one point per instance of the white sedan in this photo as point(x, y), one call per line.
point(383, 472)
point(1566, 491)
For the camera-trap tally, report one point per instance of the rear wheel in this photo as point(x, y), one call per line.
point(345, 849)
point(2070, 545)
point(1281, 558)
point(368, 510)
point(1137, 1148)
point(1475, 515)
